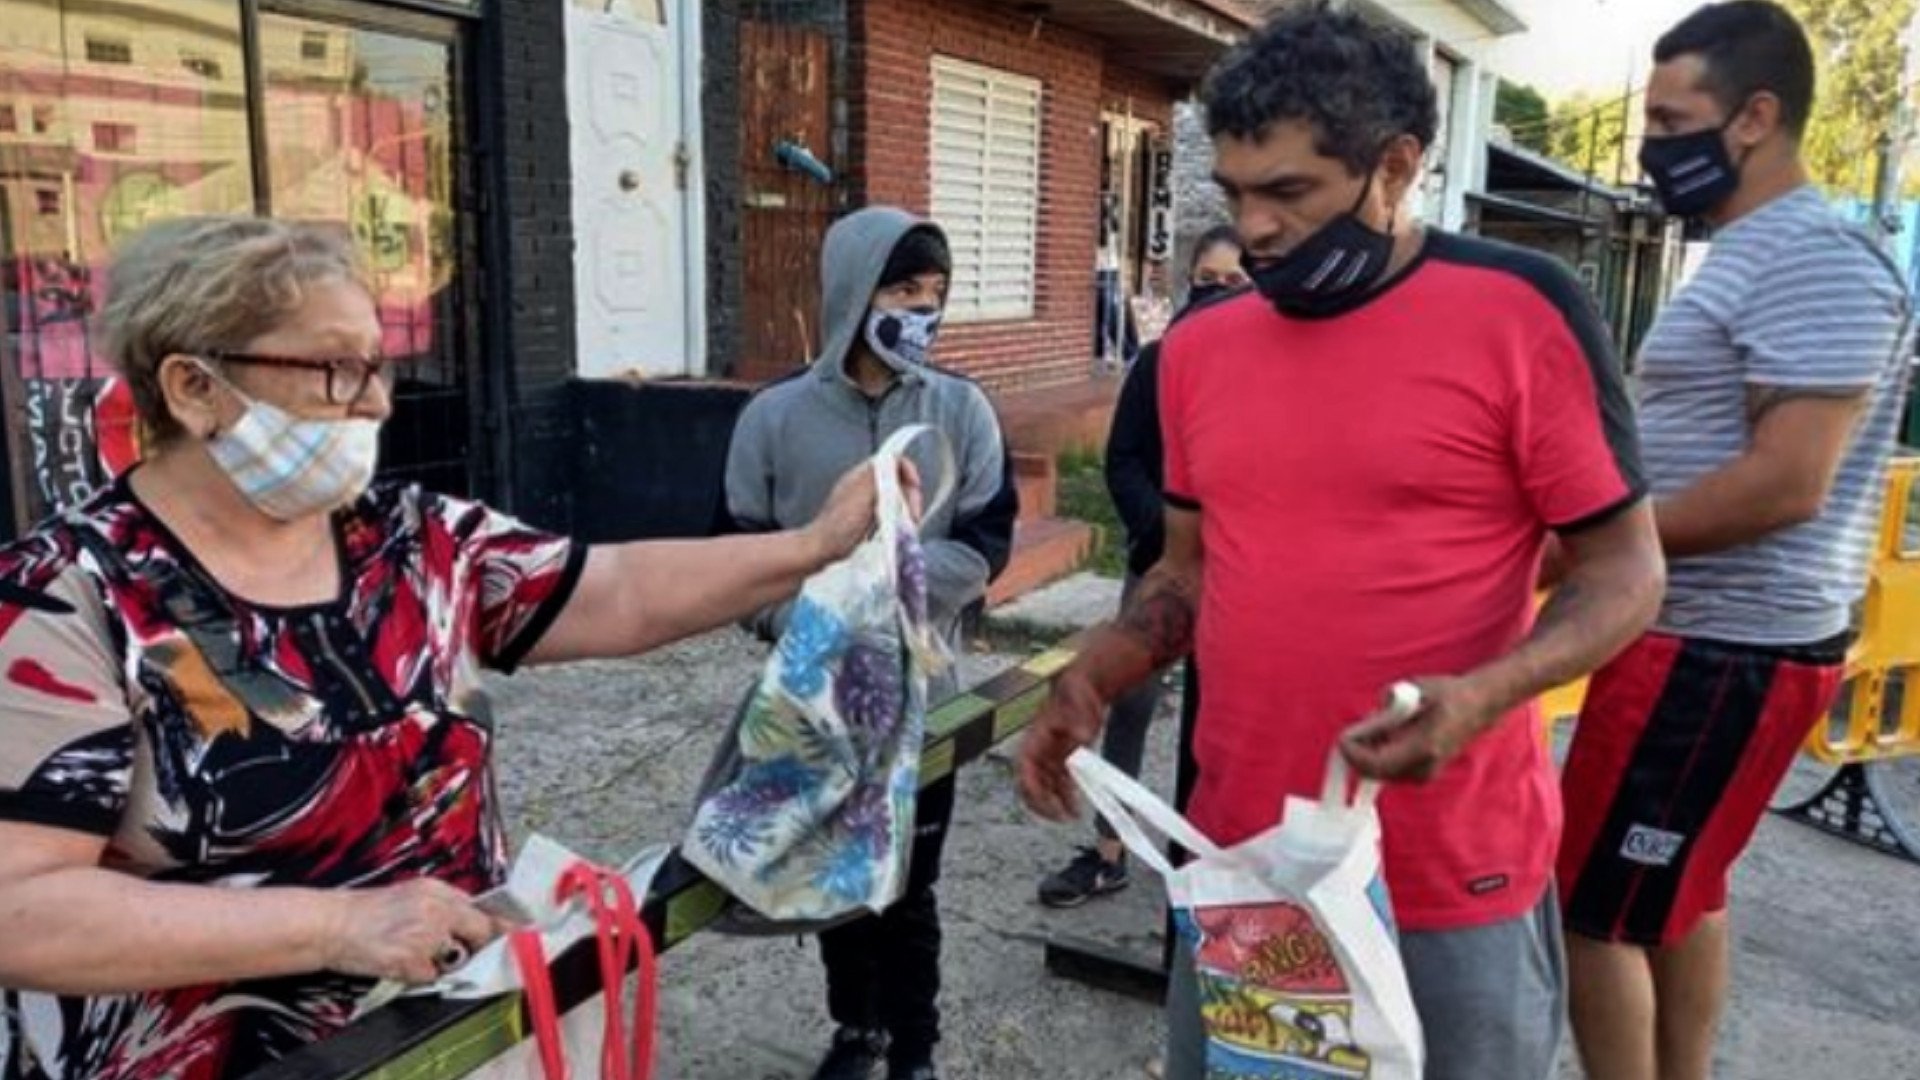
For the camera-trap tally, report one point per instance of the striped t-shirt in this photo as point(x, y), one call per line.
point(1790, 297)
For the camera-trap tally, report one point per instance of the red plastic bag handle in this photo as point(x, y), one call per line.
point(531, 957)
point(620, 937)
point(623, 942)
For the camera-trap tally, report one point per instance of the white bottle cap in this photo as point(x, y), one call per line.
point(1403, 700)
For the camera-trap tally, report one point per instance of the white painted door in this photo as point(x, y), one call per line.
point(636, 208)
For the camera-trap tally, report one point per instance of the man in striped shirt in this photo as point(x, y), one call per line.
point(1770, 395)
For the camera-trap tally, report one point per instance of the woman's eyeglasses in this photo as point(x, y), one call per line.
point(347, 376)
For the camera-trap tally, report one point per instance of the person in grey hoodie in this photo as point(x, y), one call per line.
point(884, 275)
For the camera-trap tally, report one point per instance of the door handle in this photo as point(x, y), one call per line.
point(800, 159)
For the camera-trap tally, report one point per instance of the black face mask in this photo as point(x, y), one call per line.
point(1328, 272)
point(1693, 173)
point(1198, 294)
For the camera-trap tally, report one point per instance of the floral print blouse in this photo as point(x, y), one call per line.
point(214, 741)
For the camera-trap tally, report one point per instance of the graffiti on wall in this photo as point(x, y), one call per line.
point(61, 442)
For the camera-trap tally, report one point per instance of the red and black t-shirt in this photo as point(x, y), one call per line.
point(1374, 491)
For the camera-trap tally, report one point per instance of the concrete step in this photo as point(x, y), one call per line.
point(1043, 552)
point(1038, 480)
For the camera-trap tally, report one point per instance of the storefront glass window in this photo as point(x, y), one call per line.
point(360, 128)
point(116, 115)
point(121, 132)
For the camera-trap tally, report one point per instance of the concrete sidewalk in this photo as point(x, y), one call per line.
point(605, 757)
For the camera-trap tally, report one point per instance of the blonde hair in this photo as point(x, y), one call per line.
point(196, 285)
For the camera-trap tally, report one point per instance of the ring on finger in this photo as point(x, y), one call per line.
point(450, 956)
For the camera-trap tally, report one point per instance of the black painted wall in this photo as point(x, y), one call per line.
point(720, 138)
point(600, 459)
point(652, 458)
point(529, 309)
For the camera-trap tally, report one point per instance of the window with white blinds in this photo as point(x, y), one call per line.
point(986, 186)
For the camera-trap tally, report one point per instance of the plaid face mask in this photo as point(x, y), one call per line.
point(288, 467)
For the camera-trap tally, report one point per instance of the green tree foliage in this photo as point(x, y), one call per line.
point(1522, 111)
point(1857, 44)
point(1585, 130)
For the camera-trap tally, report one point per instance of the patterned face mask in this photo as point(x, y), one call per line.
point(289, 467)
point(903, 337)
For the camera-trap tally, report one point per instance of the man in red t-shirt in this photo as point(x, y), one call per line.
point(1365, 457)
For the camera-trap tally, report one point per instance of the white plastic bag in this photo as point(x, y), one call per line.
point(531, 883)
point(1292, 932)
point(574, 1045)
point(808, 817)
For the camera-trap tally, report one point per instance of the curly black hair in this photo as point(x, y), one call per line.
point(1358, 83)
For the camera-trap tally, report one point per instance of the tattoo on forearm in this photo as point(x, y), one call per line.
point(1581, 625)
point(1161, 617)
point(1565, 602)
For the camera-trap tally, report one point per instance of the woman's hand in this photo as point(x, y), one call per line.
point(848, 517)
point(413, 933)
point(636, 597)
point(70, 926)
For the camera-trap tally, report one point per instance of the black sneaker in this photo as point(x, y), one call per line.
point(1086, 877)
point(922, 1071)
point(855, 1054)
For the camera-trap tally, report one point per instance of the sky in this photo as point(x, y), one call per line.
point(1597, 45)
point(1586, 44)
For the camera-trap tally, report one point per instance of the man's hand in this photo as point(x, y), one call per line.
point(1389, 746)
point(1069, 720)
point(1154, 630)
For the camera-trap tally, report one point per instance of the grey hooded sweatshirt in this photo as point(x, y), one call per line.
point(798, 436)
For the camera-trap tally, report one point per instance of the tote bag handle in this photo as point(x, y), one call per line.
point(892, 510)
point(1403, 701)
point(1128, 806)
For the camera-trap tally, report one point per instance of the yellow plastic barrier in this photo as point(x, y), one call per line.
point(1888, 650)
point(1563, 703)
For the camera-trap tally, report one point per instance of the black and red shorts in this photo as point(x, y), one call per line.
point(1680, 746)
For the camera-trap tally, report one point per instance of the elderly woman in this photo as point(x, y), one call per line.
point(244, 750)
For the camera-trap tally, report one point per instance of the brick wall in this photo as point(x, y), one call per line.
point(529, 257)
point(894, 46)
point(1151, 96)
